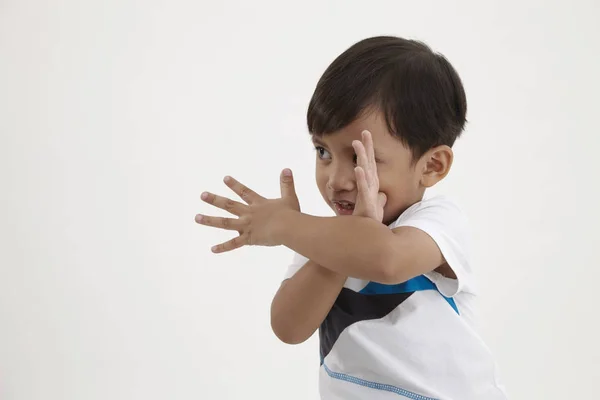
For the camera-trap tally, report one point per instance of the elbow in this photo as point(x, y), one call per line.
point(286, 333)
point(284, 328)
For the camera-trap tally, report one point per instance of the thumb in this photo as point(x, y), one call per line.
point(381, 199)
point(287, 184)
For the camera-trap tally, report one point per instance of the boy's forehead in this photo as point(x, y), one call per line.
point(341, 136)
point(344, 137)
point(341, 139)
point(373, 121)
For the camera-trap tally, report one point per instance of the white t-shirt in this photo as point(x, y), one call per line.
point(414, 340)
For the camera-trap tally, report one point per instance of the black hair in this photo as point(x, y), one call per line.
point(417, 90)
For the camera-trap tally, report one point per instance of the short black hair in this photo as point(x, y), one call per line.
point(417, 90)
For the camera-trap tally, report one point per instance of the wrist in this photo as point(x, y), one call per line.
point(281, 225)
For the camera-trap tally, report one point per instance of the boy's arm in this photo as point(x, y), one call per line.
point(303, 301)
point(360, 247)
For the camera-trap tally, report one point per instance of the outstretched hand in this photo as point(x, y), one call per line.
point(370, 201)
point(256, 222)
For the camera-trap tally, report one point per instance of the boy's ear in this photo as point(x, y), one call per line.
point(435, 165)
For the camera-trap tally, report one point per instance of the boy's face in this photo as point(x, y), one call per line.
point(399, 178)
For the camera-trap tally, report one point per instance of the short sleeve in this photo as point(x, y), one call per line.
point(445, 223)
point(298, 262)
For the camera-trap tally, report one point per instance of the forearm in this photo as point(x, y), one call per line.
point(351, 246)
point(303, 301)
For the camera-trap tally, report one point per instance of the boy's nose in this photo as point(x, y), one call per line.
point(341, 179)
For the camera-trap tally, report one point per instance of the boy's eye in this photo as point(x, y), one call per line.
point(322, 153)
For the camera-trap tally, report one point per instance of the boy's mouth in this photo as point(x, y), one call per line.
point(343, 207)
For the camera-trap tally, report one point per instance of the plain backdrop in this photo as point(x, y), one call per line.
point(116, 115)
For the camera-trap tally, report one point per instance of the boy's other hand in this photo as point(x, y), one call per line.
point(257, 218)
point(370, 201)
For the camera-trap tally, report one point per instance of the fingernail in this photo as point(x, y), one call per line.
point(213, 249)
point(227, 179)
point(287, 172)
point(204, 196)
point(198, 218)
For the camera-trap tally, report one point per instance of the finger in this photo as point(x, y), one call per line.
point(229, 224)
point(287, 184)
point(381, 199)
point(367, 139)
point(372, 176)
point(361, 159)
point(361, 183)
point(232, 244)
point(361, 154)
point(232, 207)
point(249, 196)
point(370, 150)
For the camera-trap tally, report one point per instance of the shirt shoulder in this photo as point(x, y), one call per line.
point(443, 220)
point(439, 209)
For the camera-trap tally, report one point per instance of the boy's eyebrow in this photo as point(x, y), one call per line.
point(319, 142)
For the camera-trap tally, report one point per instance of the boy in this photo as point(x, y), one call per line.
point(387, 281)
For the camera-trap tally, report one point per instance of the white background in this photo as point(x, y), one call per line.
point(116, 115)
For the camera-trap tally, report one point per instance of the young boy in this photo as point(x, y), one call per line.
point(387, 281)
